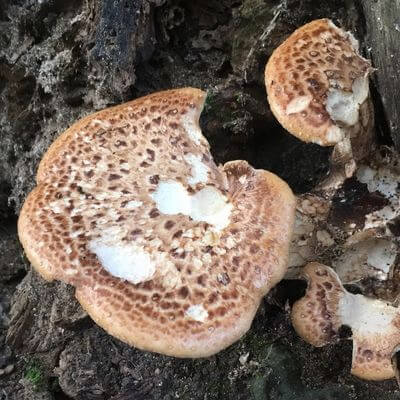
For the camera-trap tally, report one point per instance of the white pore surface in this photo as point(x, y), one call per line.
point(128, 262)
point(197, 312)
point(199, 169)
point(207, 205)
point(344, 106)
point(366, 316)
point(298, 104)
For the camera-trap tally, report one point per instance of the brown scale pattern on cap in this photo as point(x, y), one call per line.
point(315, 316)
point(86, 185)
point(316, 57)
point(327, 306)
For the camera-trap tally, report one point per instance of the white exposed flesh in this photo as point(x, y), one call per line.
point(207, 205)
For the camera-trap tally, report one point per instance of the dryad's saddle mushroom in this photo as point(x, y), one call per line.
point(327, 306)
point(318, 89)
point(167, 251)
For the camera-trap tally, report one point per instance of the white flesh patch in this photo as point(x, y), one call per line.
point(172, 198)
point(344, 106)
point(128, 262)
point(298, 104)
point(197, 312)
point(199, 169)
point(366, 316)
point(210, 206)
point(207, 205)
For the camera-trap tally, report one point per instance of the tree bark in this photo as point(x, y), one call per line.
point(382, 20)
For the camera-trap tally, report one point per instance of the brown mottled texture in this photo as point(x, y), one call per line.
point(327, 306)
point(95, 184)
point(316, 58)
point(314, 316)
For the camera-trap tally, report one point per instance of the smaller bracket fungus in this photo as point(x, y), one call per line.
point(327, 306)
point(167, 251)
point(317, 86)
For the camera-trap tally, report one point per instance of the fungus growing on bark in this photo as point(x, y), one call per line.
point(167, 251)
point(327, 306)
point(356, 230)
point(317, 86)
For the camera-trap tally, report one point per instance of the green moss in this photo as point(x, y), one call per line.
point(34, 374)
point(209, 102)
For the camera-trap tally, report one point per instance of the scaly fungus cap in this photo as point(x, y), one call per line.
point(327, 306)
point(317, 84)
point(167, 252)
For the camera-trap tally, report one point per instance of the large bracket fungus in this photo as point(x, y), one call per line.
point(167, 251)
point(327, 306)
point(318, 89)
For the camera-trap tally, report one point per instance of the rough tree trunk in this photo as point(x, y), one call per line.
point(382, 26)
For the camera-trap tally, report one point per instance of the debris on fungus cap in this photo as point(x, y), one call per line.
point(317, 86)
point(327, 306)
point(167, 251)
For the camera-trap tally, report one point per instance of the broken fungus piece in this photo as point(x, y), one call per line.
point(167, 251)
point(327, 306)
point(357, 230)
point(317, 86)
